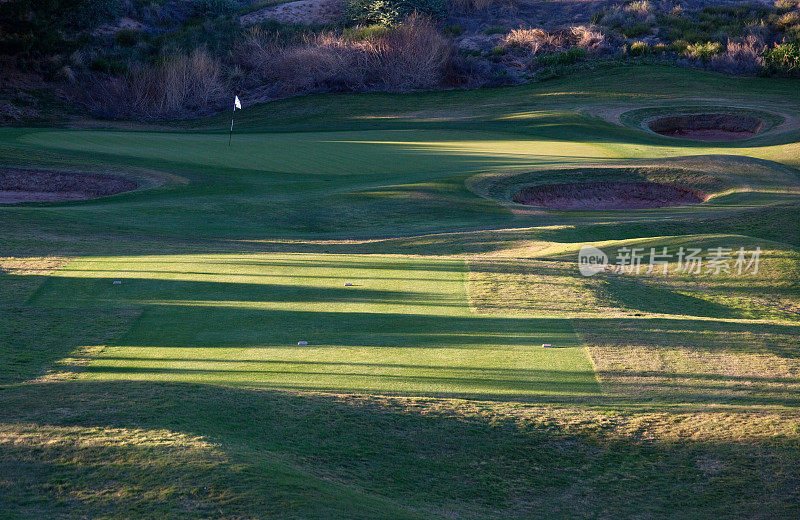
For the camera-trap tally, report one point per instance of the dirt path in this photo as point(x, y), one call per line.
point(303, 11)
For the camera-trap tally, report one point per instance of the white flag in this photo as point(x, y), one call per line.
point(236, 103)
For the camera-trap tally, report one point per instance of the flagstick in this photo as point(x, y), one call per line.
point(236, 104)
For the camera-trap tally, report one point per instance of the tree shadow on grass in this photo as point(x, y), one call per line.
point(286, 455)
point(632, 293)
point(780, 339)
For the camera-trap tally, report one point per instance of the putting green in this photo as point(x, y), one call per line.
point(372, 153)
point(404, 326)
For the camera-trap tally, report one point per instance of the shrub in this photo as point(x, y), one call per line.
point(784, 58)
point(740, 57)
point(391, 12)
point(108, 66)
point(786, 5)
point(409, 56)
point(641, 8)
point(631, 20)
point(703, 51)
point(65, 73)
point(214, 8)
point(540, 41)
point(679, 46)
point(369, 32)
point(494, 29)
point(588, 37)
point(166, 88)
point(640, 49)
point(127, 37)
point(569, 57)
point(453, 30)
point(639, 29)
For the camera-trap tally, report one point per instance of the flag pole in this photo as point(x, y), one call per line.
point(230, 136)
point(236, 104)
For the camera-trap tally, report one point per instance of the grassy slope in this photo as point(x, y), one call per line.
point(699, 375)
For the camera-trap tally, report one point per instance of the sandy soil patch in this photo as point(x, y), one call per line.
point(303, 11)
point(707, 127)
point(19, 185)
point(606, 195)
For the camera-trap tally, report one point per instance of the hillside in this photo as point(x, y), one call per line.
point(112, 59)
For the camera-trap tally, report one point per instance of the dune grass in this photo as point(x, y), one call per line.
point(423, 391)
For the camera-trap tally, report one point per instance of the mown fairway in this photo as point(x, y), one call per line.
point(423, 391)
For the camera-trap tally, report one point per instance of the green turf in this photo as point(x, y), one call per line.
point(403, 327)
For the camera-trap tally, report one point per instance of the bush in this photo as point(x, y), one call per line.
point(640, 49)
point(168, 88)
point(127, 37)
point(787, 21)
point(540, 41)
point(784, 58)
point(391, 12)
point(639, 29)
point(703, 51)
point(569, 57)
point(108, 66)
point(634, 19)
point(786, 5)
point(494, 29)
point(366, 33)
point(453, 30)
point(740, 57)
point(412, 55)
point(214, 8)
point(679, 46)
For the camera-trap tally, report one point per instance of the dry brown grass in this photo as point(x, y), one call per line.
point(178, 83)
point(22, 275)
point(411, 56)
point(31, 265)
point(742, 56)
point(689, 373)
point(507, 285)
point(540, 41)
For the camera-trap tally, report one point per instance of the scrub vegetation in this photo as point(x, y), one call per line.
point(183, 58)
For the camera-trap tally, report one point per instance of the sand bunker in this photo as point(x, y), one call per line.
point(17, 185)
point(707, 127)
point(606, 195)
